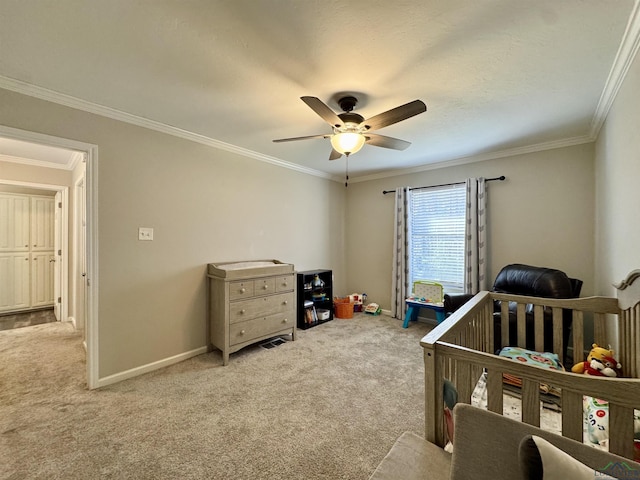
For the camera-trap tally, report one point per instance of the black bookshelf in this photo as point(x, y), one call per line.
point(315, 296)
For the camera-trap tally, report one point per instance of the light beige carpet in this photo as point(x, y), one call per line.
point(327, 406)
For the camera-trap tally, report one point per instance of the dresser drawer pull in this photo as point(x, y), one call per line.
point(241, 332)
point(265, 287)
point(286, 302)
point(286, 320)
point(242, 290)
point(243, 311)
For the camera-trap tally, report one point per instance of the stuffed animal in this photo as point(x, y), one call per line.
point(600, 362)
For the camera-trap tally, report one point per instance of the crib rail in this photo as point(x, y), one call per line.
point(462, 346)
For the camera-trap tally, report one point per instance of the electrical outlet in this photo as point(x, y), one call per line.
point(145, 233)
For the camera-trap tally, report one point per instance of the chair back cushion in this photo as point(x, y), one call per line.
point(519, 279)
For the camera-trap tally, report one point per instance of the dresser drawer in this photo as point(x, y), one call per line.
point(285, 283)
point(239, 290)
point(259, 327)
point(260, 307)
point(264, 286)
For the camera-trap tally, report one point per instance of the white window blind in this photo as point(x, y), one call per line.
point(437, 235)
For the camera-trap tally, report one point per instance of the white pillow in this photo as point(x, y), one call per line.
point(541, 460)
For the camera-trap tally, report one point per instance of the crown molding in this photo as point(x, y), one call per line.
point(624, 58)
point(28, 89)
point(36, 163)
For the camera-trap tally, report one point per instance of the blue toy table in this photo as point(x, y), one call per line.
point(414, 307)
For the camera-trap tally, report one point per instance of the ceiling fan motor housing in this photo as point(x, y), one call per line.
point(348, 103)
point(349, 117)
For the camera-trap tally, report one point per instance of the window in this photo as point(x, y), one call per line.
point(436, 250)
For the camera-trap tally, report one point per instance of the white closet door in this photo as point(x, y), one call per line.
point(14, 281)
point(42, 220)
point(14, 223)
point(42, 278)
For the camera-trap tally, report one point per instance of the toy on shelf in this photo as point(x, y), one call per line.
point(600, 362)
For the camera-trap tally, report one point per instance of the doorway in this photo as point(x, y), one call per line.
point(35, 228)
point(77, 277)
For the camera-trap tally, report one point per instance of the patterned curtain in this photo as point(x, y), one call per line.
point(476, 235)
point(402, 228)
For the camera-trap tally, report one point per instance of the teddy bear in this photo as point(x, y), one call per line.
point(600, 362)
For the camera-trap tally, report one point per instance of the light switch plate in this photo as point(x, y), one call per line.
point(145, 233)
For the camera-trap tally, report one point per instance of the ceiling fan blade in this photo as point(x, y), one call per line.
point(301, 138)
point(386, 142)
point(334, 154)
point(323, 110)
point(395, 115)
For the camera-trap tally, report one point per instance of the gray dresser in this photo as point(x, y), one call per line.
point(249, 302)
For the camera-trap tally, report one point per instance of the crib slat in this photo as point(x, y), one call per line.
point(531, 402)
point(578, 335)
point(487, 317)
point(572, 415)
point(623, 336)
point(463, 384)
point(494, 391)
point(621, 422)
point(634, 341)
point(439, 415)
point(557, 330)
point(538, 320)
point(522, 324)
point(504, 323)
point(599, 328)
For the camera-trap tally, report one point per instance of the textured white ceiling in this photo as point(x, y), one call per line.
point(495, 74)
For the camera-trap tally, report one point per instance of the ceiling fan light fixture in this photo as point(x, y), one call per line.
point(347, 142)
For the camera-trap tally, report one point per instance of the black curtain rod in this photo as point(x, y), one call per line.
point(501, 178)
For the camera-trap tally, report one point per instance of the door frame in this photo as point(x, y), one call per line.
point(79, 261)
point(60, 286)
point(90, 152)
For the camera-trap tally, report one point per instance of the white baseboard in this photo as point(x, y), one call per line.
point(150, 367)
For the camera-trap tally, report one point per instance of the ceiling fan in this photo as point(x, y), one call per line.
point(351, 131)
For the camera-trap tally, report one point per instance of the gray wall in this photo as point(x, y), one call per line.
point(617, 186)
point(205, 205)
point(542, 214)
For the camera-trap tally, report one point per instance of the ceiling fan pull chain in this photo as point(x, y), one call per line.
point(346, 180)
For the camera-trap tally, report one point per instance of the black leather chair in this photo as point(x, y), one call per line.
point(519, 279)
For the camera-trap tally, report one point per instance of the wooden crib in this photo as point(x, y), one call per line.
point(461, 348)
